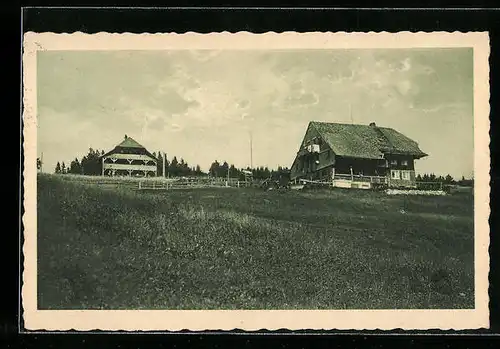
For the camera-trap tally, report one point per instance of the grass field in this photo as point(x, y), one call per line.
point(117, 248)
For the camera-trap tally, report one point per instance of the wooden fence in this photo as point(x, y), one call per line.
point(361, 178)
point(429, 185)
point(160, 183)
point(194, 182)
point(447, 187)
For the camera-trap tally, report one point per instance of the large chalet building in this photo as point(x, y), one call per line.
point(357, 156)
point(129, 158)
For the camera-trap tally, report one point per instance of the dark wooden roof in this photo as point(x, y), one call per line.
point(366, 141)
point(129, 144)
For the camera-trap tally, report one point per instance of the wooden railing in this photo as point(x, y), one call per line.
point(108, 166)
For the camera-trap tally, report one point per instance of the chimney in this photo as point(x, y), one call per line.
point(372, 124)
point(126, 137)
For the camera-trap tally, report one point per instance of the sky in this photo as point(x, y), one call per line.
point(204, 105)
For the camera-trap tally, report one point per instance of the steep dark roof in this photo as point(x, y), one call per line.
point(365, 141)
point(129, 143)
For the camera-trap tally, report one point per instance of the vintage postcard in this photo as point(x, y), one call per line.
point(322, 181)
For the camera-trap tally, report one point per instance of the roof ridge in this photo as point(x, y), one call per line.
point(370, 140)
point(338, 123)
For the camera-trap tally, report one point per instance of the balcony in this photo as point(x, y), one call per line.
point(129, 167)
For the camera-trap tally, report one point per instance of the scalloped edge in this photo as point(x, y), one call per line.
point(202, 321)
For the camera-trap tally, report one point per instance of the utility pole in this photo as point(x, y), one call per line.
point(164, 164)
point(41, 162)
point(251, 151)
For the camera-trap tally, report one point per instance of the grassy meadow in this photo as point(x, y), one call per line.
point(225, 248)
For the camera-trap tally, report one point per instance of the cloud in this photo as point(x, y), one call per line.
point(176, 127)
point(405, 65)
point(403, 86)
point(302, 99)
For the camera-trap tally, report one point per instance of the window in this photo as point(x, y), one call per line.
point(405, 175)
point(395, 174)
point(394, 162)
point(404, 162)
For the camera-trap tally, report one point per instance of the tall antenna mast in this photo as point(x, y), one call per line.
point(251, 151)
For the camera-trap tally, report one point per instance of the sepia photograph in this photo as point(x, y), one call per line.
point(332, 177)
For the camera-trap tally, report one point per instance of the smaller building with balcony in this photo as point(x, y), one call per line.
point(129, 158)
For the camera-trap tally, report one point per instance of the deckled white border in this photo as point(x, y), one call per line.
point(250, 320)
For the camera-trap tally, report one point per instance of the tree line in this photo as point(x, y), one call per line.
point(90, 165)
point(176, 168)
point(448, 179)
point(224, 169)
